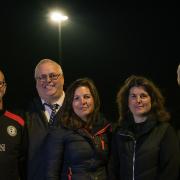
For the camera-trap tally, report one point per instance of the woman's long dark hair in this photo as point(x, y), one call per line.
point(157, 100)
point(68, 117)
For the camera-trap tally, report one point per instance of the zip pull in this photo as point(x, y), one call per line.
point(69, 174)
point(102, 143)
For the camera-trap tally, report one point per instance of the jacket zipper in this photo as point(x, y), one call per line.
point(134, 151)
point(100, 132)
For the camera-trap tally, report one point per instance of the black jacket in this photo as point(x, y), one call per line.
point(145, 151)
point(37, 132)
point(77, 154)
point(13, 146)
point(175, 114)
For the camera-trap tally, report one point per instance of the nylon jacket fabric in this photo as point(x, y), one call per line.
point(78, 154)
point(148, 151)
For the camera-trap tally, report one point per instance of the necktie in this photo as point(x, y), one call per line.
point(53, 107)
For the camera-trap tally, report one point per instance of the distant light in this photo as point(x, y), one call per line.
point(58, 17)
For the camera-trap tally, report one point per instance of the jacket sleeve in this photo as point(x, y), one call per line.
point(54, 149)
point(169, 156)
point(114, 165)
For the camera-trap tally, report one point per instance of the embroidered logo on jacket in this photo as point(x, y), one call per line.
point(12, 131)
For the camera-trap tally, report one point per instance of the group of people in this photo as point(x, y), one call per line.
point(63, 135)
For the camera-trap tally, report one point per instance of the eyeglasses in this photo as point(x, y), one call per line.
point(2, 83)
point(51, 76)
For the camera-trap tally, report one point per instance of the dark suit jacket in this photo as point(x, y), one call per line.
point(38, 130)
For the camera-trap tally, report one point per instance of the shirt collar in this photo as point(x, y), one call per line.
point(59, 101)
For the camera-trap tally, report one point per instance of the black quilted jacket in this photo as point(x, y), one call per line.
point(78, 155)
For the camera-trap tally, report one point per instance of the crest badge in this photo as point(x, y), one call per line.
point(12, 131)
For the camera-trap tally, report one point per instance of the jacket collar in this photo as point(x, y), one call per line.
point(137, 129)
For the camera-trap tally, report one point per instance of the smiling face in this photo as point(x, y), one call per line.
point(49, 88)
point(83, 102)
point(139, 103)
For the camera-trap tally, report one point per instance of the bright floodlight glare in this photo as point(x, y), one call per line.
point(58, 17)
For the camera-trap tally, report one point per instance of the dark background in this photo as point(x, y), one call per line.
point(106, 41)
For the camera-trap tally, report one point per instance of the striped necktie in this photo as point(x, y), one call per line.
point(54, 108)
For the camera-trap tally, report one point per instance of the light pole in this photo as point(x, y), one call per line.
point(58, 17)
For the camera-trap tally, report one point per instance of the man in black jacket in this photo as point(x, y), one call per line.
point(40, 116)
point(12, 141)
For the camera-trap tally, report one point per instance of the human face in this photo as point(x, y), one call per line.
point(48, 89)
point(139, 103)
point(83, 102)
point(3, 86)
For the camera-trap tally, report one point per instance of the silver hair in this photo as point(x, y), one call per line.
point(46, 61)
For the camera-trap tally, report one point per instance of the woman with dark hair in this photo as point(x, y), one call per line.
point(144, 146)
point(78, 149)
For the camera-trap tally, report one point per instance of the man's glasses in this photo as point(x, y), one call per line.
point(51, 76)
point(2, 83)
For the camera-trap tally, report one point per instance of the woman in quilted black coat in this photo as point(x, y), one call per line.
point(78, 149)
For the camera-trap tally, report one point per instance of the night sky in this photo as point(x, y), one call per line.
point(106, 41)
